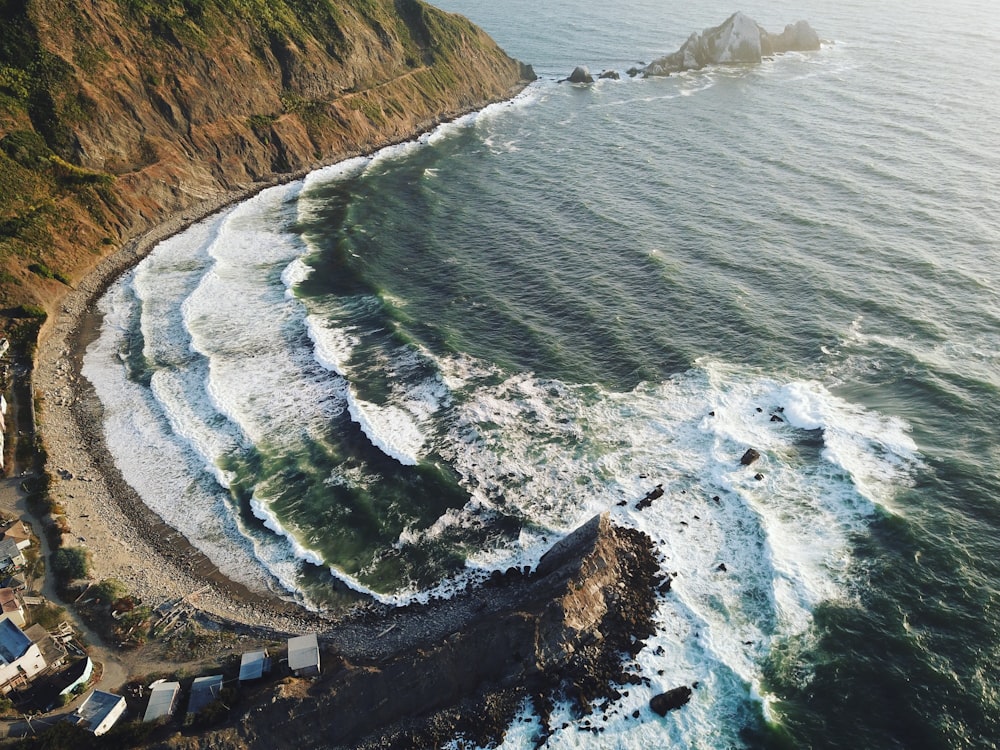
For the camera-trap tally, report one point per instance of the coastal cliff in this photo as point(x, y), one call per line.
point(115, 114)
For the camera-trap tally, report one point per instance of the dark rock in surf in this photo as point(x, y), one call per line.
point(610, 74)
point(580, 74)
point(653, 494)
point(749, 457)
point(670, 700)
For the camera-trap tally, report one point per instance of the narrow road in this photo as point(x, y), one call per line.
point(13, 502)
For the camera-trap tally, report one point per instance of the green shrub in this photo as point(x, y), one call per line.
point(36, 312)
point(109, 590)
point(26, 147)
point(70, 174)
point(70, 563)
point(47, 273)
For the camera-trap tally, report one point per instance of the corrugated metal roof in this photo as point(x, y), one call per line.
point(161, 700)
point(253, 664)
point(96, 708)
point(303, 652)
point(204, 690)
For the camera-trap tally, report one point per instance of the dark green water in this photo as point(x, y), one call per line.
point(412, 370)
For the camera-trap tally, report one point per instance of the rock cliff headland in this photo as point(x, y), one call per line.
point(116, 114)
point(464, 667)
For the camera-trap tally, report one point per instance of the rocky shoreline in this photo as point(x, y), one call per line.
point(471, 662)
point(418, 676)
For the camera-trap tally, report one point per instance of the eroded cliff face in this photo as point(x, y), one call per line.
point(117, 113)
point(559, 633)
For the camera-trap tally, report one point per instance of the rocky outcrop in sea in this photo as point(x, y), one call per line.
point(739, 39)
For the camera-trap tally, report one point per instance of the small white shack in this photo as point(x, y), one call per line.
point(99, 712)
point(254, 665)
point(204, 690)
point(303, 655)
point(162, 700)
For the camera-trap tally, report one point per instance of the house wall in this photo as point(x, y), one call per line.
point(16, 616)
point(31, 663)
point(111, 718)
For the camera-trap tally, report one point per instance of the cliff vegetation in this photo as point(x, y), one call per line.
point(115, 114)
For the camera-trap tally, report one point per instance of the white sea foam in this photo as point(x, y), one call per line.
point(397, 427)
point(339, 171)
point(332, 347)
point(294, 274)
point(158, 464)
point(240, 363)
point(301, 552)
point(557, 454)
point(390, 429)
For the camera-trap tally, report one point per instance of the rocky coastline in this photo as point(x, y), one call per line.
point(472, 662)
point(418, 676)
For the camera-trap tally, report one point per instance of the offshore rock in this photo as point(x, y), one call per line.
point(739, 39)
point(580, 74)
point(797, 37)
point(749, 457)
point(670, 700)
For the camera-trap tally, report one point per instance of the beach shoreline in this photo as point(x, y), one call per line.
point(126, 540)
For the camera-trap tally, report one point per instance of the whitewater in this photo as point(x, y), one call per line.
point(414, 368)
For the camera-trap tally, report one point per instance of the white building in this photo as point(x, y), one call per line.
point(303, 655)
point(20, 659)
point(254, 665)
point(99, 712)
point(162, 700)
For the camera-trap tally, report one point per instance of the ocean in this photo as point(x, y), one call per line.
point(409, 370)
